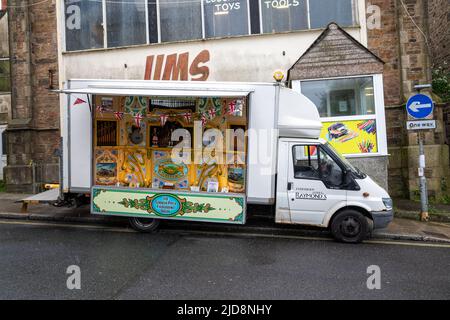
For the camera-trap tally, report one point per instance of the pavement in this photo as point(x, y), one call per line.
point(400, 229)
point(39, 259)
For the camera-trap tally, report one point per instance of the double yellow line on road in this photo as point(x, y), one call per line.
point(214, 233)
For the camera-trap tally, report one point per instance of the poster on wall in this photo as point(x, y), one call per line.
point(351, 136)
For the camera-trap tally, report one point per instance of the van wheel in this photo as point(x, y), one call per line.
point(144, 224)
point(349, 226)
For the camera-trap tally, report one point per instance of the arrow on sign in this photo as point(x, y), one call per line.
point(415, 106)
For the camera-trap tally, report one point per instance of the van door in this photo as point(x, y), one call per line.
point(315, 183)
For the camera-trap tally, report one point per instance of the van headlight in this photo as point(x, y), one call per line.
point(388, 203)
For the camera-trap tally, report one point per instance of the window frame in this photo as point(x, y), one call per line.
point(8, 62)
point(249, 26)
point(309, 160)
point(320, 149)
point(378, 116)
point(355, 15)
point(308, 20)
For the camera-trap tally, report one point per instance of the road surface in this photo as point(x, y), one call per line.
point(116, 263)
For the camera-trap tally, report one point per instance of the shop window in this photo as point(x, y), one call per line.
point(225, 18)
point(341, 97)
point(4, 143)
point(152, 22)
point(131, 22)
point(5, 83)
point(254, 17)
point(180, 20)
point(283, 15)
point(83, 24)
point(126, 22)
point(322, 12)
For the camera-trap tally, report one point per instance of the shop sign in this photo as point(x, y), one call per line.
point(168, 204)
point(177, 66)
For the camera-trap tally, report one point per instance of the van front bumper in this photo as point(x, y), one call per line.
point(381, 219)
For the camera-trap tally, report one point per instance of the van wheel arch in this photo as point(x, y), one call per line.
point(363, 211)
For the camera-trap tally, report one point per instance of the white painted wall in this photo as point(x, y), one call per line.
point(249, 58)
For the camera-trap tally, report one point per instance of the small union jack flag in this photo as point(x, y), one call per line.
point(187, 116)
point(137, 119)
point(212, 113)
point(203, 118)
point(118, 115)
point(232, 107)
point(163, 118)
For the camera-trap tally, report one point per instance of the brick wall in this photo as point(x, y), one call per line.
point(33, 131)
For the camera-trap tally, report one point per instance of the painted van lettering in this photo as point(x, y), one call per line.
point(311, 196)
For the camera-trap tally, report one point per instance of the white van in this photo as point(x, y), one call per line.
point(120, 138)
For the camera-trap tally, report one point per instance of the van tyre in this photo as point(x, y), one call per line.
point(144, 224)
point(349, 226)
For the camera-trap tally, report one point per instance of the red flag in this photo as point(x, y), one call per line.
point(79, 101)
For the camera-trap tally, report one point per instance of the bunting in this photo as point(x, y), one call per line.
point(187, 117)
point(163, 119)
point(78, 100)
point(137, 119)
point(118, 115)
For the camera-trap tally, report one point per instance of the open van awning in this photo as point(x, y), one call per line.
point(157, 92)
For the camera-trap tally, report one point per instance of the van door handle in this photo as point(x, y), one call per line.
point(289, 186)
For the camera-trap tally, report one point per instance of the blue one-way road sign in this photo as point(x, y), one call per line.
point(419, 106)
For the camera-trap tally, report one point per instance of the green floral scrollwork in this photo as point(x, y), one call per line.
point(189, 207)
point(142, 204)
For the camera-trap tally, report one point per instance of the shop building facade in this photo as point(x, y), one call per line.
point(242, 40)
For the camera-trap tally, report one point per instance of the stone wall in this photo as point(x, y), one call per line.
point(384, 42)
point(33, 131)
point(439, 30)
point(407, 57)
point(375, 167)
